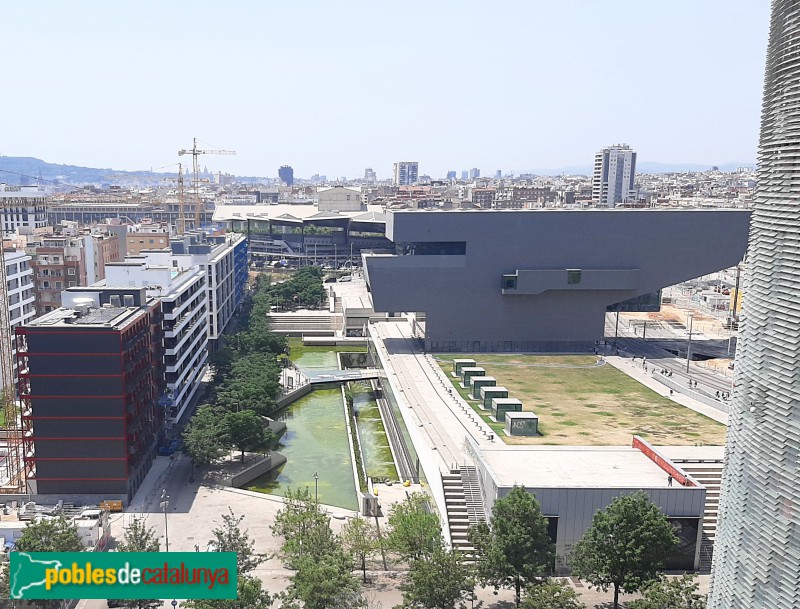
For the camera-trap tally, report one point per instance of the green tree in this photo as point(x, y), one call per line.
point(552, 594)
point(513, 548)
point(202, 439)
point(138, 537)
point(360, 538)
point(625, 546)
point(305, 528)
point(324, 582)
point(250, 595)
point(439, 581)
point(50, 535)
point(230, 538)
point(671, 593)
point(246, 431)
point(4, 581)
point(415, 532)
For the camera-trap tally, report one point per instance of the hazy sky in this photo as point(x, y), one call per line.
point(333, 87)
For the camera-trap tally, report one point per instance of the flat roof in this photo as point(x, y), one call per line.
point(573, 467)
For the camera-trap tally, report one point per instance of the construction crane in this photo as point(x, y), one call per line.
point(180, 225)
point(12, 471)
point(195, 152)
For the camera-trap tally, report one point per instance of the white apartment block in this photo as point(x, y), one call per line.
point(614, 172)
point(215, 256)
point(181, 287)
point(19, 282)
point(405, 173)
point(339, 198)
point(24, 209)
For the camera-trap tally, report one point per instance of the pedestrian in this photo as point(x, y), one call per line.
point(669, 479)
point(670, 391)
point(717, 394)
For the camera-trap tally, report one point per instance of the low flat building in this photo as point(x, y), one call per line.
point(572, 483)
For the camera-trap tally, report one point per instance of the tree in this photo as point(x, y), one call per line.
point(360, 539)
point(514, 549)
point(551, 594)
point(50, 535)
point(250, 595)
point(202, 439)
point(245, 431)
point(625, 546)
point(437, 582)
point(415, 532)
point(230, 538)
point(4, 581)
point(324, 582)
point(671, 593)
point(137, 537)
point(305, 528)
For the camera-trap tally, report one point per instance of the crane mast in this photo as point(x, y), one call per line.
point(197, 200)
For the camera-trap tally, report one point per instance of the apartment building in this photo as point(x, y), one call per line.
point(146, 236)
point(19, 281)
point(100, 248)
point(180, 285)
point(90, 377)
point(405, 173)
point(224, 261)
point(614, 172)
point(24, 209)
point(58, 263)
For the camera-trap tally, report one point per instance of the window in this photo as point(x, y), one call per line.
point(573, 276)
point(71, 284)
point(509, 282)
point(70, 271)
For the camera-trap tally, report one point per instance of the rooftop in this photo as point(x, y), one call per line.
point(111, 317)
point(573, 467)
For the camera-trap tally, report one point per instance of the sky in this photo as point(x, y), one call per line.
point(332, 87)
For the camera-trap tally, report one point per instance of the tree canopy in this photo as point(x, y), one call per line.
point(438, 582)
point(414, 530)
point(360, 539)
point(50, 535)
point(514, 548)
point(671, 593)
point(203, 438)
point(229, 537)
point(625, 547)
point(246, 431)
point(305, 528)
point(552, 594)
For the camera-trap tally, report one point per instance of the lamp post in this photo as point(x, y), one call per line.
point(164, 503)
point(689, 346)
point(316, 487)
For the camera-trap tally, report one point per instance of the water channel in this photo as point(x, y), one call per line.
point(316, 441)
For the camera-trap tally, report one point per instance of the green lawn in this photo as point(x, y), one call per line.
point(297, 349)
point(579, 403)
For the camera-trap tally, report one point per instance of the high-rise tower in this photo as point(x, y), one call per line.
point(757, 550)
point(614, 171)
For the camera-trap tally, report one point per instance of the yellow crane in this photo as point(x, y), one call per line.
point(196, 152)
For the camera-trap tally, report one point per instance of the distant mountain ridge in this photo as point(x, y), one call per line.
point(27, 170)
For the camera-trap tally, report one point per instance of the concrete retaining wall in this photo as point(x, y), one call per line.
point(259, 468)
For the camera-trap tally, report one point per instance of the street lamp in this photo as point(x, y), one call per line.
point(316, 487)
point(164, 503)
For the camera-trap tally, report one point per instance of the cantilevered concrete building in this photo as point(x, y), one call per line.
point(757, 550)
point(542, 280)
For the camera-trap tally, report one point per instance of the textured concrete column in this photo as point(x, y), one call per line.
point(757, 553)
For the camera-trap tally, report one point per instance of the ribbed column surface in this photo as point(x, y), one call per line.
point(757, 550)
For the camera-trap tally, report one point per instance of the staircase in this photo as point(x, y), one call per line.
point(298, 324)
point(709, 474)
point(464, 503)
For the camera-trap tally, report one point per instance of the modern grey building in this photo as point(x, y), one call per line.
point(541, 280)
point(405, 173)
point(757, 550)
point(614, 172)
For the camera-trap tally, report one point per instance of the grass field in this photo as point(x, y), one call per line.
point(580, 403)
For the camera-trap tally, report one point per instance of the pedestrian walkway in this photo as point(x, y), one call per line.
point(637, 372)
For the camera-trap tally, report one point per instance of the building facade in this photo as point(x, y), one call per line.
point(90, 379)
point(339, 198)
point(614, 172)
point(58, 263)
point(286, 175)
point(405, 173)
point(540, 280)
point(24, 209)
point(100, 249)
point(757, 548)
point(21, 299)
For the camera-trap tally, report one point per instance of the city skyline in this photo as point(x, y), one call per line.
point(106, 86)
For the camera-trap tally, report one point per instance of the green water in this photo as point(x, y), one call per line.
point(374, 443)
point(315, 441)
